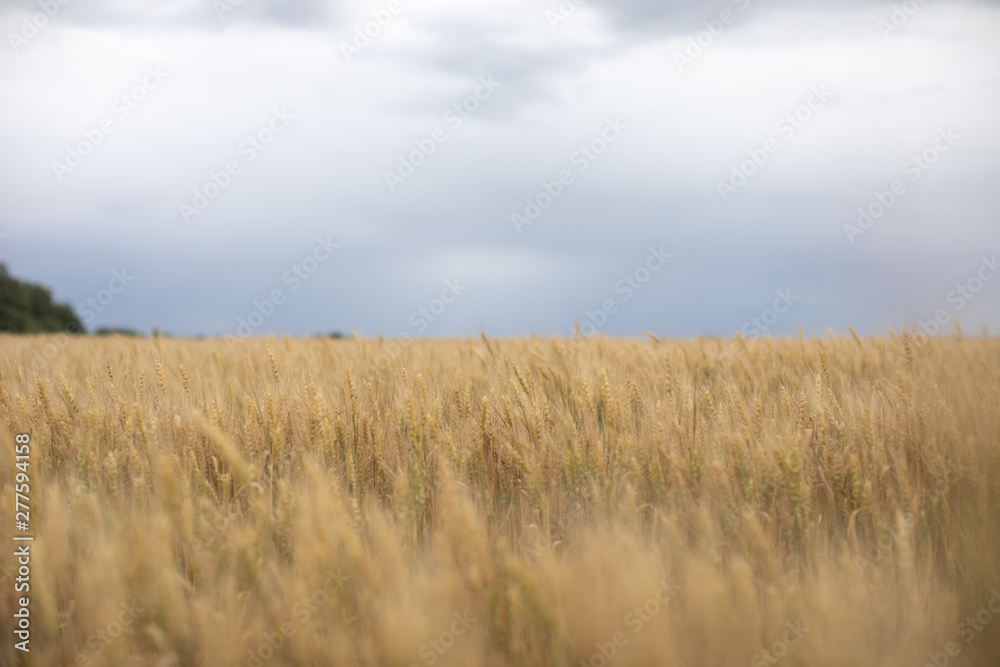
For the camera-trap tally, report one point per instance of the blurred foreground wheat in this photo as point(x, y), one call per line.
point(505, 502)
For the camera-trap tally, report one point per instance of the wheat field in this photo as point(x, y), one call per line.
point(804, 501)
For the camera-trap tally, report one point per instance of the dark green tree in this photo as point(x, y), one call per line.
point(29, 308)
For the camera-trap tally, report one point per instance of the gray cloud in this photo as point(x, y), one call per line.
point(208, 14)
point(629, 15)
point(452, 217)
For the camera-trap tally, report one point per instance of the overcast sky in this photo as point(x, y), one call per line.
point(693, 165)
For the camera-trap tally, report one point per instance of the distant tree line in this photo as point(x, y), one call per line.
point(29, 308)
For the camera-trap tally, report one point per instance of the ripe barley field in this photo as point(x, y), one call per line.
point(524, 502)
